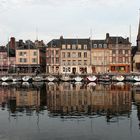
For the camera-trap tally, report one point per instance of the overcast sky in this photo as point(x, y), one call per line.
point(25, 19)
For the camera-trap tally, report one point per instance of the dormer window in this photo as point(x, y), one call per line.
point(63, 46)
point(68, 46)
point(74, 46)
point(100, 45)
point(85, 47)
point(105, 45)
point(79, 47)
point(95, 45)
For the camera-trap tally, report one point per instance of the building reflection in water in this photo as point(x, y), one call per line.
point(136, 99)
point(22, 97)
point(68, 99)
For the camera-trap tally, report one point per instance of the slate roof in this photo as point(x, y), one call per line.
point(3, 49)
point(57, 43)
point(97, 43)
point(117, 40)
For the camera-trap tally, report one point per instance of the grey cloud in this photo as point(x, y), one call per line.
point(8, 3)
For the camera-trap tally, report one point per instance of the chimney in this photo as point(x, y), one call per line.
point(107, 35)
point(12, 43)
point(61, 37)
point(127, 39)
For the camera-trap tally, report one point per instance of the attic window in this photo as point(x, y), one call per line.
point(105, 45)
point(68, 46)
point(73, 46)
point(85, 46)
point(100, 45)
point(64, 46)
point(95, 45)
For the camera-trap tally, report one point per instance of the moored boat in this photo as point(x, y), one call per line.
point(6, 78)
point(37, 78)
point(27, 79)
point(65, 78)
point(118, 78)
point(78, 79)
point(92, 78)
point(137, 78)
point(16, 79)
point(50, 78)
point(129, 78)
point(104, 78)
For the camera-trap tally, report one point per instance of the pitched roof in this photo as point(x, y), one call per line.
point(58, 42)
point(3, 49)
point(98, 41)
point(117, 40)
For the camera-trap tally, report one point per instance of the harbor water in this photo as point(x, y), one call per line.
point(69, 111)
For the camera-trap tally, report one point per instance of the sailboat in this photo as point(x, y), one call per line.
point(65, 78)
point(38, 78)
point(27, 78)
point(92, 78)
point(78, 79)
point(7, 78)
point(50, 78)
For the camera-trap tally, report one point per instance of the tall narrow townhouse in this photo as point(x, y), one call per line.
point(30, 57)
point(120, 54)
point(53, 57)
point(75, 56)
point(99, 56)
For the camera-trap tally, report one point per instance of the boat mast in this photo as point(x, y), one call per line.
point(8, 55)
point(90, 46)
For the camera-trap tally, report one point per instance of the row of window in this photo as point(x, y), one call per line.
point(24, 60)
point(53, 61)
point(74, 62)
point(52, 52)
point(74, 54)
point(100, 45)
point(120, 60)
point(25, 53)
point(74, 46)
point(120, 51)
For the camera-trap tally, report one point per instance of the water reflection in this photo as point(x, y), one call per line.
point(69, 99)
point(113, 103)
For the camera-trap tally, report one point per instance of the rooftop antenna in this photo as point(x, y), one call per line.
point(90, 45)
point(130, 33)
point(90, 33)
point(36, 33)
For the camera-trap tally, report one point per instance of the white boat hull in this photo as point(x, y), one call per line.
point(6, 78)
point(38, 79)
point(118, 78)
point(92, 78)
point(65, 78)
point(50, 78)
point(27, 79)
point(78, 79)
point(137, 78)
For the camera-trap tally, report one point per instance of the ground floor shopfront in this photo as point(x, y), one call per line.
point(126, 68)
point(76, 69)
point(53, 69)
point(100, 69)
point(30, 69)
